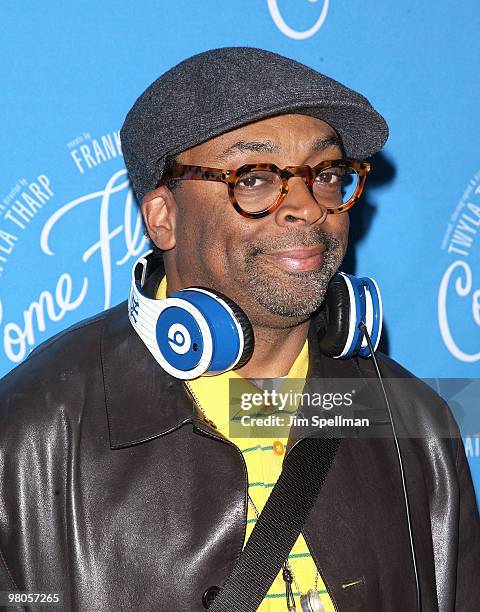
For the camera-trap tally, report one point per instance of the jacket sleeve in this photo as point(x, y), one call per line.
point(33, 450)
point(7, 583)
point(467, 597)
point(6, 580)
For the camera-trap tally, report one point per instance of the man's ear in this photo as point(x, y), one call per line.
point(159, 211)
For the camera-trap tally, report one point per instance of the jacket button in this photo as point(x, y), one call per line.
point(210, 595)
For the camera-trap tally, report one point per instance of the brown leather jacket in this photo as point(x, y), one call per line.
point(117, 492)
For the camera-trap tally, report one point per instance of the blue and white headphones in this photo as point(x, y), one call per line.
point(201, 332)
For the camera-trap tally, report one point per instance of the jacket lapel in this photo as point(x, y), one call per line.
point(142, 400)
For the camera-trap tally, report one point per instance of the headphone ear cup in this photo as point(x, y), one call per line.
point(193, 332)
point(349, 301)
point(246, 326)
point(374, 315)
point(201, 332)
point(337, 317)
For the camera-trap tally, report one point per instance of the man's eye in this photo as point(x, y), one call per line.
point(257, 180)
point(250, 181)
point(329, 177)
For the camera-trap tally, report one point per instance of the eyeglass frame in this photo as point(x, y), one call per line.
point(180, 171)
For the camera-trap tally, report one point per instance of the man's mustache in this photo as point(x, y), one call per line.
point(294, 239)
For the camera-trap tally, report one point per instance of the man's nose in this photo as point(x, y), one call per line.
point(299, 206)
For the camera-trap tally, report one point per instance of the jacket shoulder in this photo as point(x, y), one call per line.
point(425, 411)
point(52, 357)
point(388, 367)
point(56, 376)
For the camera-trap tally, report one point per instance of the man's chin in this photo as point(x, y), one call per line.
point(282, 300)
point(286, 290)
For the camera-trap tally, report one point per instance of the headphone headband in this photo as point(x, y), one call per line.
point(198, 331)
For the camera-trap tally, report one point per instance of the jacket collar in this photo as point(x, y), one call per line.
point(144, 402)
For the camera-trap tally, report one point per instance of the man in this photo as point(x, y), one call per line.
point(121, 486)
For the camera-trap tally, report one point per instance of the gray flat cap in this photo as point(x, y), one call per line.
point(219, 90)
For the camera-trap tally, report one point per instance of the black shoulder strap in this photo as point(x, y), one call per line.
point(305, 469)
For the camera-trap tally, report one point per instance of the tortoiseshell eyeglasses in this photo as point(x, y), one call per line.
point(257, 190)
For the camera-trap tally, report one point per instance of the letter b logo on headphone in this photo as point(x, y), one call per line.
point(179, 338)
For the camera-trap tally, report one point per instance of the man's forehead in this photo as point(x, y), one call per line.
point(269, 146)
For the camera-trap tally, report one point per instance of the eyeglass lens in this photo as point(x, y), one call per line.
point(257, 190)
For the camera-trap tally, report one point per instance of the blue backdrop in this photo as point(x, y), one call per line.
point(69, 227)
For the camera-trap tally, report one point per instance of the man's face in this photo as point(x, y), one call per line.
point(277, 268)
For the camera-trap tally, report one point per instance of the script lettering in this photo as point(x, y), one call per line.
point(132, 233)
point(290, 32)
point(17, 339)
point(463, 288)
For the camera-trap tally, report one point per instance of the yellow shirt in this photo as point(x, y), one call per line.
point(263, 458)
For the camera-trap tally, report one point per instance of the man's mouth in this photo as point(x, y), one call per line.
point(301, 259)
